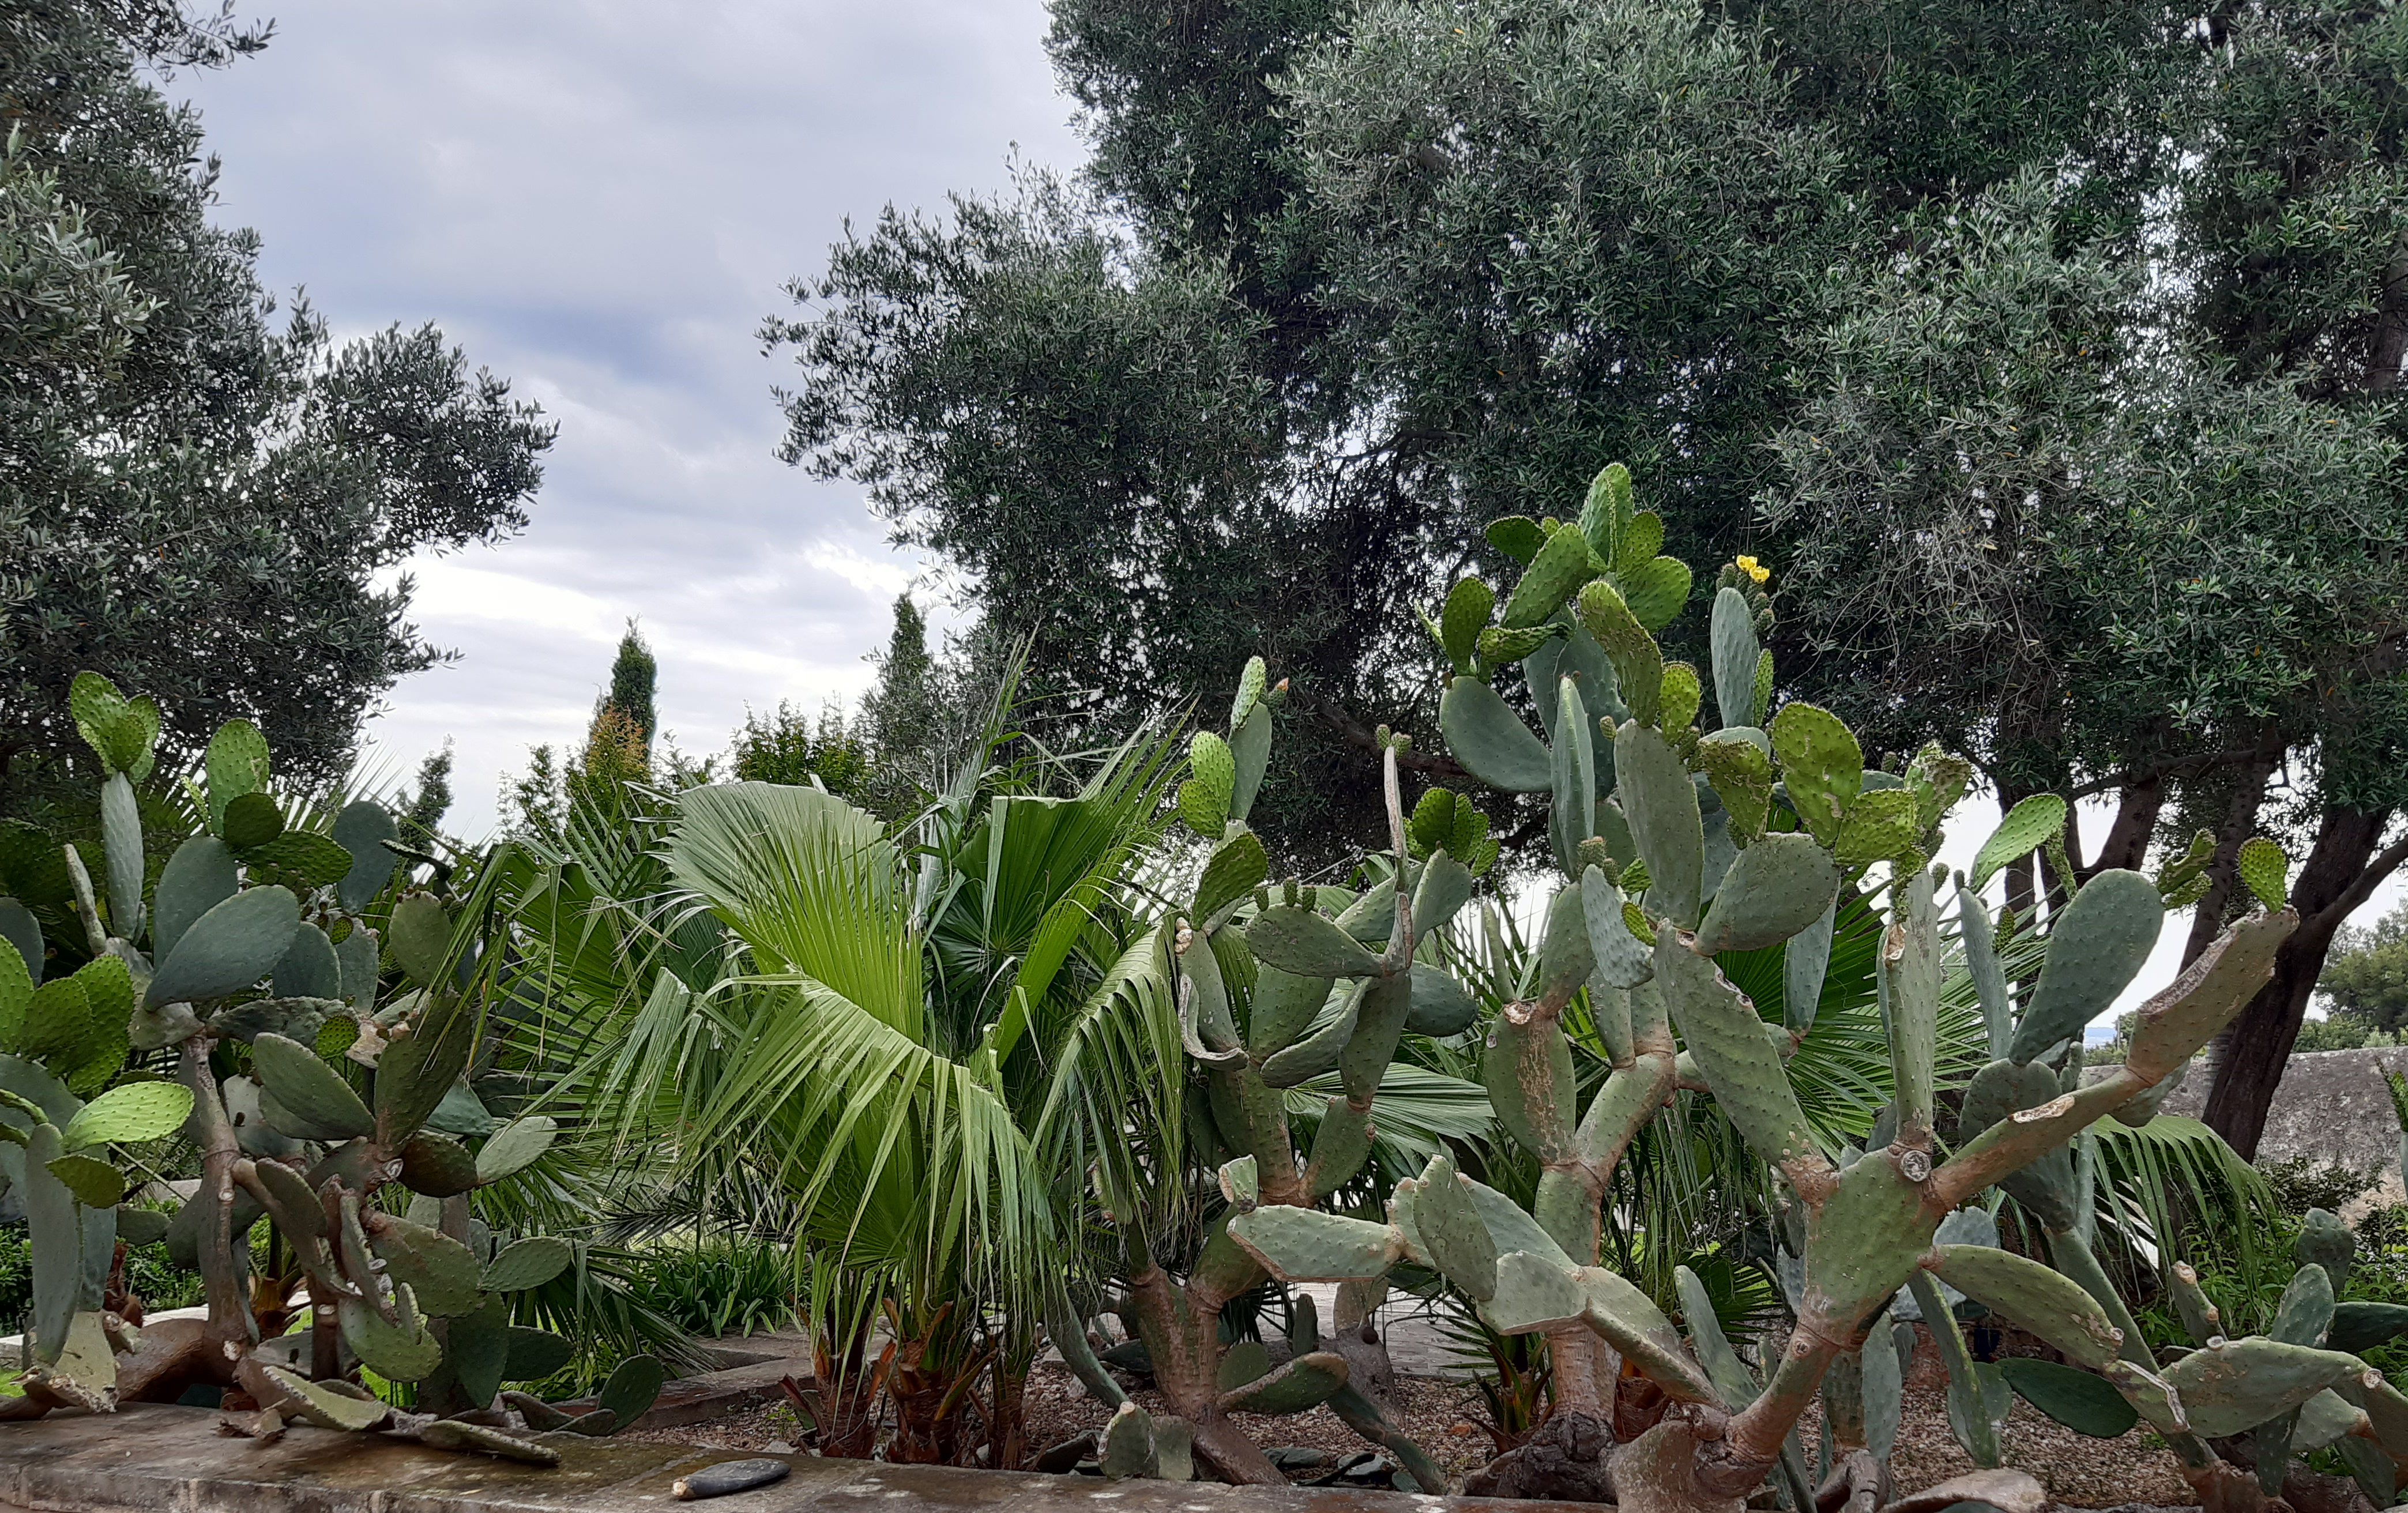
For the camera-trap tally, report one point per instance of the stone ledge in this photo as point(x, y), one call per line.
point(161, 1459)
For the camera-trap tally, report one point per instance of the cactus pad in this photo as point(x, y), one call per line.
point(2030, 824)
point(1565, 960)
point(2306, 1308)
point(1773, 890)
point(1805, 962)
point(1731, 634)
point(1629, 1319)
point(1284, 1006)
point(1439, 1006)
point(1879, 827)
point(1740, 772)
point(128, 1115)
point(420, 936)
point(632, 1387)
point(514, 1146)
point(1621, 960)
point(229, 948)
point(1655, 589)
point(1378, 1023)
point(2242, 1383)
point(399, 1348)
point(1450, 1231)
point(122, 731)
point(2095, 950)
point(362, 828)
point(2266, 870)
point(2325, 1241)
point(484, 1439)
point(2362, 1326)
point(311, 1097)
point(1528, 1069)
point(1677, 703)
point(438, 1166)
point(1637, 661)
point(441, 1272)
point(1822, 767)
point(1236, 867)
point(308, 968)
point(2084, 1402)
point(1490, 740)
point(313, 1403)
point(1726, 1036)
point(1469, 605)
point(1661, 803)
point(251, 820)
point(1305, 1245)
point(1637, 542)
point(1319, 1051)
point(2034, 1297)
point(1299, 941)
point(1554, 575)
point(1534, 1295)
point(1444, 886)
point(2172, 1027)
point(1304, 1382)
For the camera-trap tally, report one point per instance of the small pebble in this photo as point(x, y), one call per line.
point(729, 1476)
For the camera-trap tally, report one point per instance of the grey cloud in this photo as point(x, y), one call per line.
point(600, 200)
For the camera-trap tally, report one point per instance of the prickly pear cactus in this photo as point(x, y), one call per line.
point(1677, 843)
point(1278, 986)
point(2262, 1402)
point(256, 946)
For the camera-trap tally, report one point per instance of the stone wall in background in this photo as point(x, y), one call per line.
point(2331, 1107)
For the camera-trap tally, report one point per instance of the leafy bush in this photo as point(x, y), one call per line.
point(158, 1282)
point(2336, 1032)
point(2301, 1184)
point(725, 1284)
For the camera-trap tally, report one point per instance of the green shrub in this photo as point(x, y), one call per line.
point(725, 1284)
point(158, 1282)
point(2301, 1184)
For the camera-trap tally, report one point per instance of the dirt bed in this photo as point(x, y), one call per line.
point(2077, 1471)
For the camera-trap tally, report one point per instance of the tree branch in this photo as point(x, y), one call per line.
point(2379, 866)
point(1429, 764)
point(2157, 772)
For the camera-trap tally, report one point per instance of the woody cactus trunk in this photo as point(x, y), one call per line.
point(1274, 992)
point(1676, 845)
point(252, 957)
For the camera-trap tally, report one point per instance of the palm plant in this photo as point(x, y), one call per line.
point(883, 1047)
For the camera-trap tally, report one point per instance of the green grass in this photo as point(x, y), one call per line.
point(722, 1284)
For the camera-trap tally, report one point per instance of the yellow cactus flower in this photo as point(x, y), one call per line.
point(1754, 569)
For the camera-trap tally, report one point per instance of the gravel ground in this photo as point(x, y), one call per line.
point(2078, 1472)
point(1434, 1411)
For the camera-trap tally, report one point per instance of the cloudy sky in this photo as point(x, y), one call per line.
point(600, 202)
